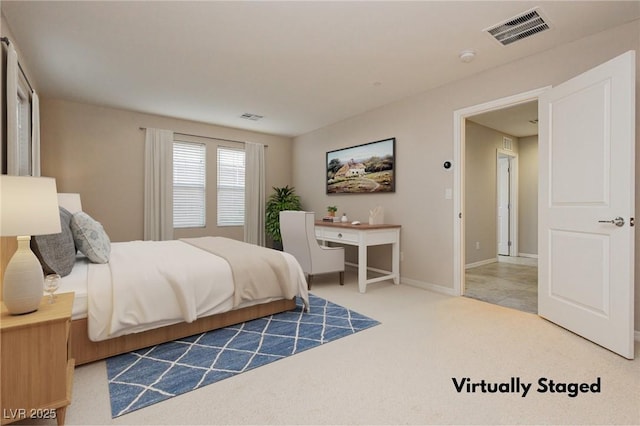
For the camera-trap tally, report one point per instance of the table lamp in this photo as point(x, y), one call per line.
point(28, 206)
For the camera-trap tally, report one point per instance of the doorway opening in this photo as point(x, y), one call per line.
point(497, 187)
point(580, 287)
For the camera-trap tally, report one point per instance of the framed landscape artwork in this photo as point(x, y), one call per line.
point(361, 169)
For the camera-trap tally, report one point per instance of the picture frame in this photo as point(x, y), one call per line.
point(362, 169)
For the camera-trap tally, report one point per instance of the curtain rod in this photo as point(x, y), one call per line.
point(206, 137)
point(8, 42)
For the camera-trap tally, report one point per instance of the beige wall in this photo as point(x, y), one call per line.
point(423, 126)
point(482, 144)
point(528, 195)
point(481, 196)
point(99, 152)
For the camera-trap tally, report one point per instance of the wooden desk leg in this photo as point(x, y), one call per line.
point(362, 267)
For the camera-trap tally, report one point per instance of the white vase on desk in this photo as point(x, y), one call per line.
point(344, 218)
point(376, 216)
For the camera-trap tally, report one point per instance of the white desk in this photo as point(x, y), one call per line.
point(364, 236)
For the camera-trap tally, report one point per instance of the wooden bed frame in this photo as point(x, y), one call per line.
point(85, 350)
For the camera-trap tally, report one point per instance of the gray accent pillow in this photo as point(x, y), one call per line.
point(90, 238)
point(56, 252)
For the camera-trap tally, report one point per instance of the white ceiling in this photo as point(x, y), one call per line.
point(519, 120)
point(301, 65)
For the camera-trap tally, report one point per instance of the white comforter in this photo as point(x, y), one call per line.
point(149, 284)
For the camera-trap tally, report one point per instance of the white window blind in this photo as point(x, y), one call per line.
point(231, 166)
point(189, 189)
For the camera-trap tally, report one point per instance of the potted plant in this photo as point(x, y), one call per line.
point(281, 199)
point(331, 210)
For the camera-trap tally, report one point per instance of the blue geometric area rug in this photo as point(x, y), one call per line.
point(147, 376)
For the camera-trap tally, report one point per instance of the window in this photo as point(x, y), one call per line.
point(189, 189)
point(231, 163)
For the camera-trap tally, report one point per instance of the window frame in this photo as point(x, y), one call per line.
point(24, 135)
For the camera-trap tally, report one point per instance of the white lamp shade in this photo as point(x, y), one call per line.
point(28, 206)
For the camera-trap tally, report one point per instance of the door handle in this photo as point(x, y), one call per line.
point(618, 221)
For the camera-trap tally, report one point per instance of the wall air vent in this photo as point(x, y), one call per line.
point(252, 117)
point(519, 27)
point(507, 143)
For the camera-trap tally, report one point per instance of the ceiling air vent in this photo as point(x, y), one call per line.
point(522, 26)
point(252, 117)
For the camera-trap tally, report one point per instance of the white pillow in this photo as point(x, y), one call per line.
point(90, 238)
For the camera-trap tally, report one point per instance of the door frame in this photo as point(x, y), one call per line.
point(459, 118)
point(512, 157)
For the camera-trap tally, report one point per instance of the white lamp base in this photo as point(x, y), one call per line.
point(23, 280)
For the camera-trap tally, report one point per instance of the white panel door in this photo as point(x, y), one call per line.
point(587, 163)
point(503, 206)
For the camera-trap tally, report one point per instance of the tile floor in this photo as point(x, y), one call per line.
point(512, 282)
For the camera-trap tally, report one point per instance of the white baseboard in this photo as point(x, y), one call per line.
point(428, 286)
point(534, 256)
point(480, 263)
point(414, 283)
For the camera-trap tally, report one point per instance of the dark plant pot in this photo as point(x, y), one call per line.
point(276, 245)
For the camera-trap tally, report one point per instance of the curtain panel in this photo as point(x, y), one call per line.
point(158, 185)
point(254, 219)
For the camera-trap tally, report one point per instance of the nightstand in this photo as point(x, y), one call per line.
point(36, 363)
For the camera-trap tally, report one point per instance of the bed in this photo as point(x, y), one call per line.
point(150, 292)
point(101, 327)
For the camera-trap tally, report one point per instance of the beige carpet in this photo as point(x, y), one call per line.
point(401, 371)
